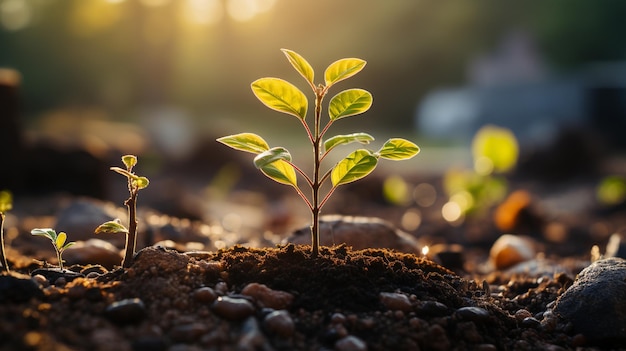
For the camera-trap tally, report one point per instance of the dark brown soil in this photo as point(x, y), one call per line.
point(336, 300)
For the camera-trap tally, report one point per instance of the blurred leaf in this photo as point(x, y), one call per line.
point(60, 241)
point(396, 191)
point(611, 190)
point(142, 182)
point(349, 103)
point(6, 201)
point(282, 172)
point(342, 69)
point(355, 166)
point(337, 140)
point(398, 149)
point(68, 244)
point(281, 96)
point(270, 156)
point(129, 161)
point(47, 232)
point(111, 227)
point(494, 149)
point(301, 65)
point(248, 142)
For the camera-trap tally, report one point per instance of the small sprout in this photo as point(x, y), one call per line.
point(58, 241)
point(135, 183)
point(6, 204)
point(284, 97)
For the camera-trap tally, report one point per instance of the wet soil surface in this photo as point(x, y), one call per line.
point(279, 299)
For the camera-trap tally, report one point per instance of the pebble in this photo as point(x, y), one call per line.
point(251, 338)
point(395, 301)
point(596, 301)
point(509, 250)
point(475, 314)
point(531, 322)
point(161, 259)
point(350, 343)
point(188, 332)
point(359, 233)
point(18, 288)
point(93, 251)
point(521, 314)
point(205, 295)
point(266, 297)
point(279, 323)
point(128, 311)
point(434, 308)
point(54, 274)
point(233, 308)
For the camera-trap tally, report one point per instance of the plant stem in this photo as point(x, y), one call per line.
point(131, 237)
point(315, 188)
point(60, 259)
point(3, 257)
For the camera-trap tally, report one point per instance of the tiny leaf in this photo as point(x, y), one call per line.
point(281, 172)
point(300, 64)
point(355, 166)
point(398, 149)
point(47, 232)
point(342, 69)
point(248, 142)
point(337, 140)
point(349, 103)
point(270, 156)
point(129, 161)
point(282, 96)
point(66, 246)
point(60, 240)
point(6, 201)
point(111, 227)
point(141, 182)
point(123, 172)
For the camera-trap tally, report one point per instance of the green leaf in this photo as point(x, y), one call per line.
point(349, 103)
point(342, 69)
point(494, 149)
point(66, 246)
point(281, 172)
point(248, 142)
point(337, 140)
point(300, 64)
point(141, 182)
point(281, 96)
point(129, 161)
point(355, 166)
point(60, 241)
point(47, 232)
point(6, 201)
point(270, 156)
point(398, 149)
point(111, 227)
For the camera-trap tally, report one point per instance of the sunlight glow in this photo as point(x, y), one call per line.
point(451, 211)
point(205, 12)
point(15, 14)
point(425, 250)
point(245, 10)
point(154, 3)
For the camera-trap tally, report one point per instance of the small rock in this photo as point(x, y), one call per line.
point(54, 274)
point(511, 249)
point(531, 322)
point(251, 338)
point(188, 332)
point(350, 343)
point(18, 288)
point(395, 301)
point(278, 300)
point(205, 295)
point(233, 308)
point(164, 260)
point(129, 311)
point(475, 314)
point(596, 301)
point(521, 314)
point(434, 308)
point(279, 323)
point(93, 251)
point(359, 233)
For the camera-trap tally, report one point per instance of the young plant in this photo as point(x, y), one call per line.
point(6, 203)
point(276, 162)
point(135, 183)
point(58, 241)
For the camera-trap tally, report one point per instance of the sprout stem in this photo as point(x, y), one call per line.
point(3, 257)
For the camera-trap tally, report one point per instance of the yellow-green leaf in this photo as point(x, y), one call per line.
point(123, 172)
point(6, 201)
point(349, 103)
point(398, 149)
point(270, 156)
point(142, 182)
point(300, 64)
point(248, 142)
point(111, 227)
point(337, 140)
point(60, 241)
point(47, 232)
point(342, 69)
point(611, 190)
point(282, 96)
point(494, 149)
point(129, 161)
point(355, 166)
point(281, 172)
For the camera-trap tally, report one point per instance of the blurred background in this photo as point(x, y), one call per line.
point(86, 81)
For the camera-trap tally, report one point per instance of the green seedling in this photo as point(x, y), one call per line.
point(6, 204)
point(135, 183)
point(58, 241)
point(276, 163)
